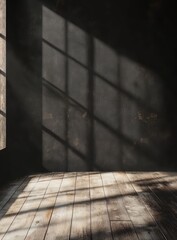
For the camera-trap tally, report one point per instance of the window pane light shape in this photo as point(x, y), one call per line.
point(2, 74)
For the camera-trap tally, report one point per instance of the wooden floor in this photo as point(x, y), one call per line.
point(113, 205)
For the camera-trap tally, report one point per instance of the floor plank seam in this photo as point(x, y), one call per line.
point(90, 208)
point(6, 202)
point(161, 201)
point(122, 197)
point(73, 205)
point(53, 208)
point(105, 198)
point(105, 205)
point(125, 206)
point(38, 207)
point(19, 210)
point(139, 194)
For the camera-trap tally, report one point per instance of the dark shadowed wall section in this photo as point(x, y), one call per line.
point(91, 85)
point(24, 141)
point(106, 87)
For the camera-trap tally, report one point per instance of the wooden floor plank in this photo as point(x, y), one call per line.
point(60, 223)
point(73, 206)
point(149, 233)
point(34, 178)
point(133, 203)
point(7, 193)
point(40, 223)
point(116, 208)
point(46, 177)
point(25, 216)
point(141, 183)
point(166, 179)
point(12, 208)
point(166, 193)
point(141, 218)
point(81, 213)
point(100, 224)
point(123, 230)
point(10, 215)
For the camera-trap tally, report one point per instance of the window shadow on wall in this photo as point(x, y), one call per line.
point(102, 109)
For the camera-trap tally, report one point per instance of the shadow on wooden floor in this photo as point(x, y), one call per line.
point(111, 205)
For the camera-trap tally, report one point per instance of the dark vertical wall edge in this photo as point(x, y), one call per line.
point(23, 154)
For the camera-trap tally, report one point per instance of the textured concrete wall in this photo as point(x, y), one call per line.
point(24, 142)
point(2, 74)
point(102, 108)
point(96, 81)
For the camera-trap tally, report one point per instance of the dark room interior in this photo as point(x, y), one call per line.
point(88, 119)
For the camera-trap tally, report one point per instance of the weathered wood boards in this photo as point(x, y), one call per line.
point(83, 205)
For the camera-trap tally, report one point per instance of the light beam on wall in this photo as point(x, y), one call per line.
point(100, 108)
point(2, 74)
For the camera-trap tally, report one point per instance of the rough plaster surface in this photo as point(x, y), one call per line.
point(103, 107)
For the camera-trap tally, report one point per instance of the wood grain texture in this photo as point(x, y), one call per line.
point(13, 206)
point(41, 220)
point(123, 230)
point(100, 224)
point(60, 224)
point(135, 207)
point(116, 208)
point(142, 183)
point(22, 222)
point(81, 214)
point(106, 206)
